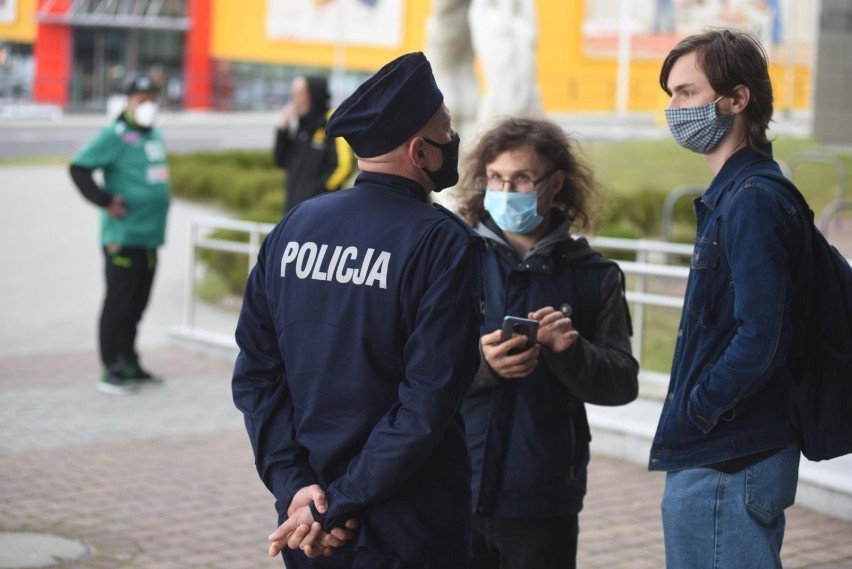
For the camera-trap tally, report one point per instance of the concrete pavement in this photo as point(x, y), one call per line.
point(164, 479)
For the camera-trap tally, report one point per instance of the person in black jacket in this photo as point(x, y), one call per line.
point(525, 190)
point(314, 163)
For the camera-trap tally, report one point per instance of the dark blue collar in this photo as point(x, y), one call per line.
point(739, 160)
point(396, 183)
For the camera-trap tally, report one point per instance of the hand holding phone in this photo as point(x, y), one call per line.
point(515, 326)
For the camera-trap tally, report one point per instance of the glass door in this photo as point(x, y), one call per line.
point(100, 62)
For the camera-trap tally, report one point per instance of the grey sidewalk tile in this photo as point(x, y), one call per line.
point(175, 486)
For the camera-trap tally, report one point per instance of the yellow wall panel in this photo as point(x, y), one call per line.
point(572, 81)
point(791, 86)
point(239, 34)
point(23, 29)
point(569, 79)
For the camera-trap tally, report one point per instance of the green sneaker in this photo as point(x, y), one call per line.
point(140, 376)
point(113, 383)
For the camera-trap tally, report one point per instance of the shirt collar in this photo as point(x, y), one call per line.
point(397, 183)
point(739, 160)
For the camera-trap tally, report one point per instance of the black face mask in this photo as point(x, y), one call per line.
point(447, 175)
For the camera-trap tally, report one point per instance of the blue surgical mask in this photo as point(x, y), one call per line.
point(516, 212)
point(699, 129)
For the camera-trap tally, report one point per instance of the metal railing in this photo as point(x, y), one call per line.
point(651, 260)
point(840, 202)
point(672, 198)
point(654, 262)
point(199, 231)
point(833, 208)
point(656, 277)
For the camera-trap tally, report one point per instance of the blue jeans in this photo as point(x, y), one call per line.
point(715, 520)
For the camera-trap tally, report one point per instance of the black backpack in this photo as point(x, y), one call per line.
point(819, 386)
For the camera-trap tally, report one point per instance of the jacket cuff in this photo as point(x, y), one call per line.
point(318, 517)
point(563, 363)
point(285, 485)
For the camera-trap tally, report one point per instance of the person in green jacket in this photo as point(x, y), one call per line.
point(134, 202)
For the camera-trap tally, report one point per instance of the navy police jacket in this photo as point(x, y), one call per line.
point(358, 340)
point(529, 438)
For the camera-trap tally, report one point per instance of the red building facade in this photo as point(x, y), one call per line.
point(85, 51)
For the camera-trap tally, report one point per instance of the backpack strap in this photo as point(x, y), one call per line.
point(758, 169)
point(587, 283)
point(763, 170)
point(588, 271)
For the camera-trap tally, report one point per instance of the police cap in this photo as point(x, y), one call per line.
point(389, 107)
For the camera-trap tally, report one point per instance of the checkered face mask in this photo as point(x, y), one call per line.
point(699, 129)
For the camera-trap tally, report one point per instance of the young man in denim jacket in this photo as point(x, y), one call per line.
point(723, 437)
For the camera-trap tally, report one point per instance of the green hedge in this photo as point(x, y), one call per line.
point(251, 186)
point(244, 182)
point(638, 174)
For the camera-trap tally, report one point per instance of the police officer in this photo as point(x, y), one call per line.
point(134, 202)
point(358, 340)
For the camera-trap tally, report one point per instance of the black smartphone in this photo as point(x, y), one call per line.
point(515, 326)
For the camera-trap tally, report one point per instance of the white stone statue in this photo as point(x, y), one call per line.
point(501, 36)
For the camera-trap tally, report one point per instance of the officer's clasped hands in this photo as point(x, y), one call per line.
point(301, 531)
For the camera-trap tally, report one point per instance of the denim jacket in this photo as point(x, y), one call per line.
point(726, 398)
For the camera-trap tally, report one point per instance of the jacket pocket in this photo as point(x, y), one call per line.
point(705, 260)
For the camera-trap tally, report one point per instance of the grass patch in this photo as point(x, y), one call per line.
point(34, 161)
point(639, 174)
point(659, 331)
point(244, 182)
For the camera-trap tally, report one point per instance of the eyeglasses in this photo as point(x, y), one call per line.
point(520, 183)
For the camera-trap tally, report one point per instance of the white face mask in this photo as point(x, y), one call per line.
point(145, 113)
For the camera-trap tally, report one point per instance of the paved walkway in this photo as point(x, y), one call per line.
point(164, 479)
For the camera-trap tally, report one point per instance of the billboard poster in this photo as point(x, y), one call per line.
point(786, 28)
point(8, 11)
point(374, 23)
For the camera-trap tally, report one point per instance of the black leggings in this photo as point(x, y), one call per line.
point(523, 543)
point(129, 276)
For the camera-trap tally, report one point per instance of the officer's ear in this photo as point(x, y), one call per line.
point(416, 151)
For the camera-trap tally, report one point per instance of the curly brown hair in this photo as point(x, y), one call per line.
point(555, 147)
